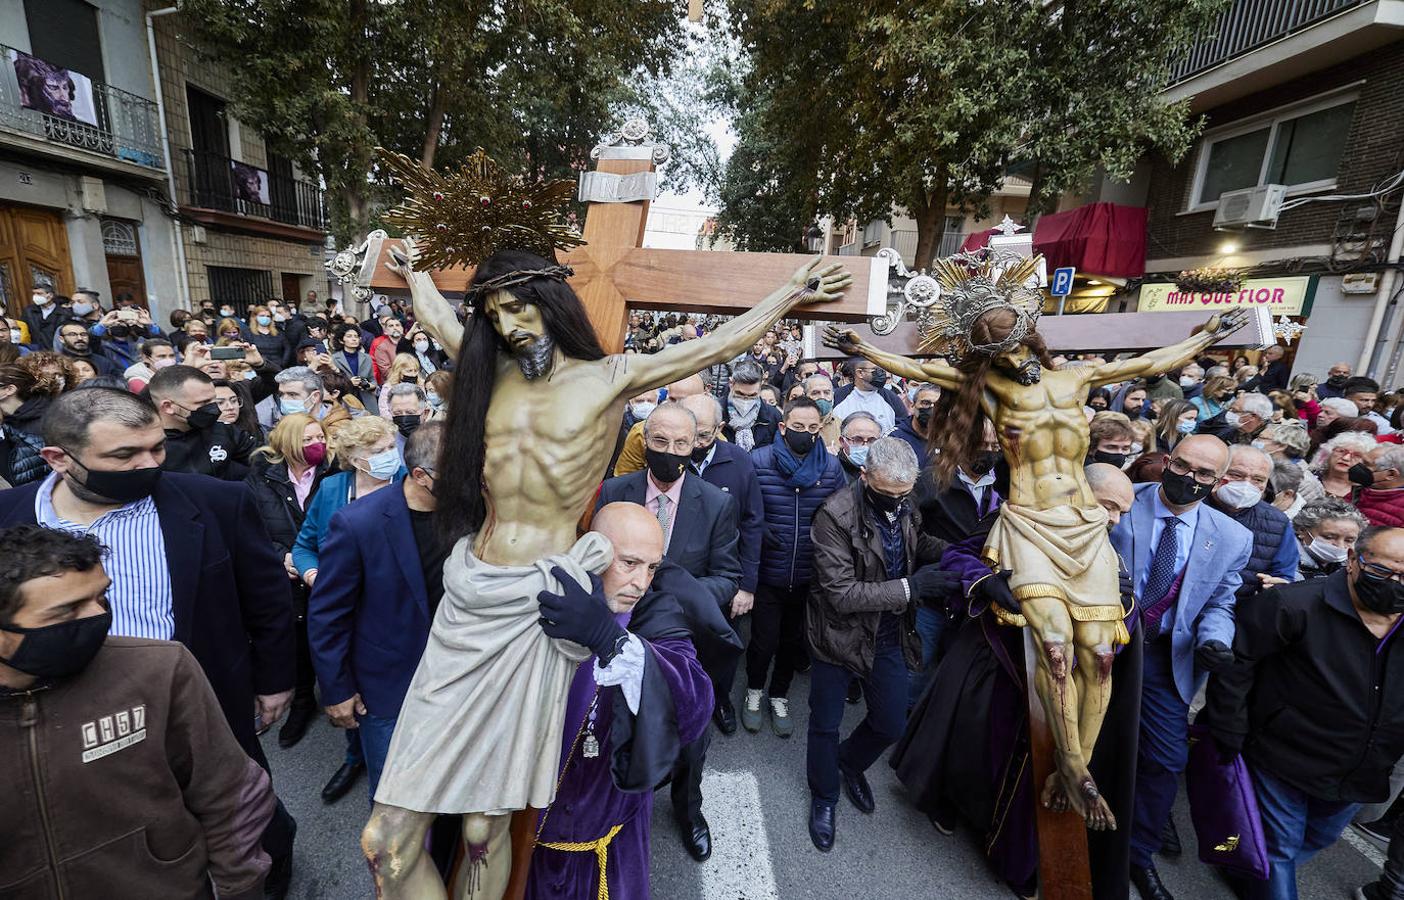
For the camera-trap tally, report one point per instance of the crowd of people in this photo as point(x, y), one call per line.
point(257, 485)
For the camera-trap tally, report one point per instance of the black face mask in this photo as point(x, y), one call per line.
point(700, 453)
point(923, 417)
point(120, 486)
point(407, 424)
point(799, 442)
point(1111, 459)
point(203, 417)
point(58, 651)
point(1182, 490)
point(120, 332)
point(879, 378)
point(665, 468)
point(882, 502)
point(1379, 595)
point(1337, 381)
point(1361, 474)
point(984, 462)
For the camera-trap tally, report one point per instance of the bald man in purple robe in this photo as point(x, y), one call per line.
point(630, 710)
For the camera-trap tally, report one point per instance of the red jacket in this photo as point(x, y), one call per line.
point(1382, 508)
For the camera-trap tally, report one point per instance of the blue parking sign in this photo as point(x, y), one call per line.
point(1062, 281)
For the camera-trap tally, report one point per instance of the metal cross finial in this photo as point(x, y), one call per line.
point(634, 140)
point(1287, 330)
point(1008, 226)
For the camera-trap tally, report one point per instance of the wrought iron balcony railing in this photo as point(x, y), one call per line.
point(213, 182)
point(126, 126)
point(1249, 24)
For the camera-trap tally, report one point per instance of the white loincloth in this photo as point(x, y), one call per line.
point(480, 729)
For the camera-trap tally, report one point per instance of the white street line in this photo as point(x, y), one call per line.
point(1366, 847)
point(740, 866)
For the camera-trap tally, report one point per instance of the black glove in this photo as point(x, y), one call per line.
point(995, 589)
point(1213, 656)
point(1128, 589)
point(580, 616)
point(1228, 746)
point(931, 582)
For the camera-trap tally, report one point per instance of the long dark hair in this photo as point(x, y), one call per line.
point(461, 506)
point(962, 418)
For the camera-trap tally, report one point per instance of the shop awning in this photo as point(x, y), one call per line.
point(1096, 239)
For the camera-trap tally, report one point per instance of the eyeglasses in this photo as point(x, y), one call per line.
point(1381, 571)
point(812, 429)
point(860, 441)
point(1203, 476)
point(705, 436)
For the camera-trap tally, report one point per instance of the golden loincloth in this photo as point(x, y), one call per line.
point(1063, 553)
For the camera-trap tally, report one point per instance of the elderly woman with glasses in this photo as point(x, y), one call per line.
point(1336, 459)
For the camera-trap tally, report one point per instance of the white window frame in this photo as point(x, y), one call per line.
point(1271, 120)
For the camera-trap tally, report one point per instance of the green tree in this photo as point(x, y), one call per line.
point(534, 82)
point(854, 108)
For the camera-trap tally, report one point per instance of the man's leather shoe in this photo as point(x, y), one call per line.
point(295, 726)
point(725, 716)
point(697, 838)
point(821, 825)
point(855, 785)
point(1149, 885)
point(1170, 840)
point(341, 782)
point(279, 879)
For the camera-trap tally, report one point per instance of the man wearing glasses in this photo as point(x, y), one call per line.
point(1185, 560)
point(1314, 701)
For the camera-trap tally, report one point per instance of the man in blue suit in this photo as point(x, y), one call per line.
point(699, 535)
point(726, 466)
point(1185, 559)
point(380, 579)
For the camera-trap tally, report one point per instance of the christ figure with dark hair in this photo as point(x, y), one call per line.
point(1051, 539)
point(535, 407)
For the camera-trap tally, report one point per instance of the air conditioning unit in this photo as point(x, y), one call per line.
point(1252, 208)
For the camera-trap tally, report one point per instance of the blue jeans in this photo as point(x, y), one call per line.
point(1162, 753)
point(375, 732)
point(930, 624)
point(1296, 827)
point(885, 690)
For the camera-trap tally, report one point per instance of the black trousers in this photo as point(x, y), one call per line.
point(687, 780)
point(777, 636)
point(303, 693)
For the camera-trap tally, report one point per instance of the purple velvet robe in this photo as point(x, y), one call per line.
point(637, 754)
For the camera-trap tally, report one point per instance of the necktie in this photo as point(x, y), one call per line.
point(1162, 576)
point(665, 516)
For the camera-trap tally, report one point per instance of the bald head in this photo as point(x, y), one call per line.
point(690, 386)
point(637, 539)
point(1203, 451)
point(706, 410)
point(1112, 489)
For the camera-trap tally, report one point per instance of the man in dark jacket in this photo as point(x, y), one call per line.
point(1239, 495)
point(796, 475)
point(1315, 701)
point(872, 563)
point(129, 740)
point(44, 315)
point(916, 428)
point(196, 441)
point(74, 343)
point(747, 422)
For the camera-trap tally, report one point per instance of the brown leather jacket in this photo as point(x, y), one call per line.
point(851, 589)
point(125, 782)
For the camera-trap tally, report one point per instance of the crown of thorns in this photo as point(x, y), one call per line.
point(464, 217)
point(974, 284)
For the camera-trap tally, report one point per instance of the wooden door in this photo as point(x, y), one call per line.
point(292, 288)
point(33, 252)
point(122, 245)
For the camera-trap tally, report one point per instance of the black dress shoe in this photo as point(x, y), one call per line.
point(295, 726)
point(725, 716)
point(697, 838)
point(275, 886)
point(1170, 840)
point(855, 785)
point(341, 782)
point(1149, 885)
point(821, 825)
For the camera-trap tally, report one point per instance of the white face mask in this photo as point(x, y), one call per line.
point(1239, 494)
point(42, 299)
point(642, 410)
point(421, 346)
point(1232, 419)
point(16, 336)
point(1326, 552)
point(1187, 381)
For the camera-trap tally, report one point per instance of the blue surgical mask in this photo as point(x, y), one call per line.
point(291, 407)
point(434, 399)
point(384, 465)
point(1186, 426)
point(263, 320)
point(825, 406)
point(858, 456)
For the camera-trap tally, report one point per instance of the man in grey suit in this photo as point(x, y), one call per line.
point(700, 536)
point(1185, 559)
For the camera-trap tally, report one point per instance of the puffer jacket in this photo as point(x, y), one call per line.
point(277, 501)
point(20, 462)
point(851, 586)
point(786, 559)
point(1274, 545)
point(1382, 508)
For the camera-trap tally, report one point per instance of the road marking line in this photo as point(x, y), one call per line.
point(1366, 847)
point(740, 867)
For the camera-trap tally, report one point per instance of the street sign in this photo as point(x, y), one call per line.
point(1062, 281)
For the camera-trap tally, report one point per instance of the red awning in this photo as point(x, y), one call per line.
point(1096, 239)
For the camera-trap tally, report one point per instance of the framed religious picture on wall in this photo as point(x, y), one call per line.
point(250, 183)
point(54, 90)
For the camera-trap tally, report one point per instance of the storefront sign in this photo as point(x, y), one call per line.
point(1281, 296)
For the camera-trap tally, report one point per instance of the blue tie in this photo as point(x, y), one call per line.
point(1162, 576)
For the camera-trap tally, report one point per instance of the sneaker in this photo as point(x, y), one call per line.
point(780, 717)
point(751, 711)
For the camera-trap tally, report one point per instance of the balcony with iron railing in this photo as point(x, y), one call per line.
point(1250, 24)
point(210, 184)
point(126, 127)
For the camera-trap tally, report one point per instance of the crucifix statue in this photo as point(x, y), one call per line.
point(535, 403)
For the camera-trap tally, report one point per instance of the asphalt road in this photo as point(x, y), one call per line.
point(757, 805)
